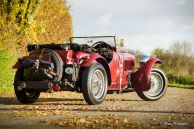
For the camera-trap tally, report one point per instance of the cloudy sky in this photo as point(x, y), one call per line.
point(143, 24)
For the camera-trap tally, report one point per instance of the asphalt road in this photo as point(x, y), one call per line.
point(69, 110)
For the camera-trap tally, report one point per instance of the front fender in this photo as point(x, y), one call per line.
point(91, 59)
point(141, 79)
point(97, 58)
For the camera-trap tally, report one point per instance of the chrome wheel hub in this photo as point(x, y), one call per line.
point(156, 85)
point(97, 84)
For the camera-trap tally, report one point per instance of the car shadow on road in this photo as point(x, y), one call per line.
point(9, 101)
point(123, 100)
point(54, 101)
point(42, 101)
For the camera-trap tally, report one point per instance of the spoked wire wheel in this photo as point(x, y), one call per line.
point(97, 84)
point(158, 86)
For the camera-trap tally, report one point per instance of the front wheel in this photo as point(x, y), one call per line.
point(94, 84)
point(158, 86)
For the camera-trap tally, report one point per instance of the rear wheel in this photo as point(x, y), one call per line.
point(25, 97)
point(94, 84)
point(31, 96)
point(158, 86)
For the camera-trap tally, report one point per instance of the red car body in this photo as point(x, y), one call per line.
point(120, 69)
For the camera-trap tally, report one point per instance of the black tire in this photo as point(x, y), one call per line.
point(95, 72)
point(148, 95)
point(22, 95)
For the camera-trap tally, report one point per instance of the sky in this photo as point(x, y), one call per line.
point(143, 24)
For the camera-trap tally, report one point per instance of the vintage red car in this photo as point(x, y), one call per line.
point(93, 66)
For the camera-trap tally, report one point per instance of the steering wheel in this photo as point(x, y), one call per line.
point(104, 49)
point(87, 48)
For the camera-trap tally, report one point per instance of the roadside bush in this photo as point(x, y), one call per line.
point(51, 24)
point(178, 79)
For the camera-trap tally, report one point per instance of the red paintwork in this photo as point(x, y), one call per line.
point(114, 70)
point(86, 59)
point(120, 66)
point(67, 56)
point(118, 70)
point(128, 67)
point(70, 56)
point(141, 78)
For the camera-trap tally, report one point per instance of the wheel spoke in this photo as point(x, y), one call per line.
point(156, 85)
point(97, 82)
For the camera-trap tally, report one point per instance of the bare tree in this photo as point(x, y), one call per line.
point(183, 48)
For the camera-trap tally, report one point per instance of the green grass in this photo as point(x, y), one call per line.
point(6, 72)
point(181, 86)
point(180, 79)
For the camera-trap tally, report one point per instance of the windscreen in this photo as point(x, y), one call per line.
point(92, 40)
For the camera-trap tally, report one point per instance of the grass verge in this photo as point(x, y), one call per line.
point(181, 86)
point(6, 71)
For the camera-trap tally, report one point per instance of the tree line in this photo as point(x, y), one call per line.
point(33, 21)
point(178, 59)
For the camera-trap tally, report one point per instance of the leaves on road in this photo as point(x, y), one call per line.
point(101, 121)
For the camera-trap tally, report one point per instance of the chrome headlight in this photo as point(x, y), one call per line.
point(144, 59)
point(69, 70)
